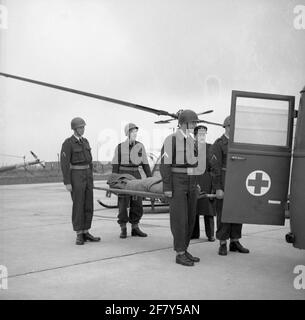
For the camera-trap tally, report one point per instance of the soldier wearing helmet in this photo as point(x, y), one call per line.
point(128, 156)
point(218, 162)
point(179, 184)
point(76, 166)
point(129, 128)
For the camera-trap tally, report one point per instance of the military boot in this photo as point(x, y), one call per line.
point(184, 260)
point(123, 234)
point(236, 246)
point(79, 239)
point(223, 251)
point(136, 232)
point(90, 237)
point(191, 257)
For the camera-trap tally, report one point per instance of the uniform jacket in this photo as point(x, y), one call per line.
point(76, 153)
point(204, 205)
point(218, 162)
point(205, 180)
point(177, 151)
point(130, 155)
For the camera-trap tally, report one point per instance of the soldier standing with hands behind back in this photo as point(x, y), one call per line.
point(218, 163)
point(76, 166)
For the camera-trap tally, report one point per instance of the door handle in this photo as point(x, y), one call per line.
point(238, 158)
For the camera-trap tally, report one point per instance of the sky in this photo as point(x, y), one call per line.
point(164, 54)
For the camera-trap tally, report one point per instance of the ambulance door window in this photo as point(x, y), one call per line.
point(261, 121)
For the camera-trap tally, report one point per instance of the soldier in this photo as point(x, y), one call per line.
point(76, 166)
point(129, 155)
point(179, 184)
point(204, 205)
point(218, 162)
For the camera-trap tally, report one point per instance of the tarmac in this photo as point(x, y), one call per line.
point(37, 246)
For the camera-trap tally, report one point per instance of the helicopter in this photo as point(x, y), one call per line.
point(260, 150)
point(23, 164)
point(156, 160)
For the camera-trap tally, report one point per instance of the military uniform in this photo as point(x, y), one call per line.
point(127, 159)
point(205, 206)
point(76, 165)
point(174, 169)
point(218, 161)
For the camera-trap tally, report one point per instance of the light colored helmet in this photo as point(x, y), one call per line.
point(187, 116)
point(128, 127)
point(226, 122)
point(77, 122)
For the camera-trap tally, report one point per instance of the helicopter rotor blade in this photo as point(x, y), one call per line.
point(174, 116)
point(37, 159)
point(92, 95)
point(200, 121)
point(213, 123)
point(34, 155)
point(169, 120)
point(164, 121)
point(205, 112)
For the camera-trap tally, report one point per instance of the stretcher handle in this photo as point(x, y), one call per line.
point(133, 192)
point(147, 194)
point(207, 195)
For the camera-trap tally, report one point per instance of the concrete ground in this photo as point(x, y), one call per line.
point(37, 247)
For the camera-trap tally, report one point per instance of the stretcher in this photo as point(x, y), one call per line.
point(156, 199)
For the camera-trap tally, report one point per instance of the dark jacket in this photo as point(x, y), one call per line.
point(204, 206)
point(177, 151)
point(76, 153)
point(218, 162)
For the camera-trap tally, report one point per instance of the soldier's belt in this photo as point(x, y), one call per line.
point(129, 168)
point(76, 167)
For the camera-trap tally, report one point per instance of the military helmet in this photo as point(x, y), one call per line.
point(201, 126)
point(187, 116)
point(77, 122)
point(128, 127)
point(226, 122)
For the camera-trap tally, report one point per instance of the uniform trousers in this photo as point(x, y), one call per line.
point(208, 224)
point(182, 208)
point(82, 197)
point(134, 204)
point(226, 230)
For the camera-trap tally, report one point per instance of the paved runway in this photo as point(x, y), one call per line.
point(37, 247)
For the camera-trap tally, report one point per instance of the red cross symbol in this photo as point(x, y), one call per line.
point(258, 183)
